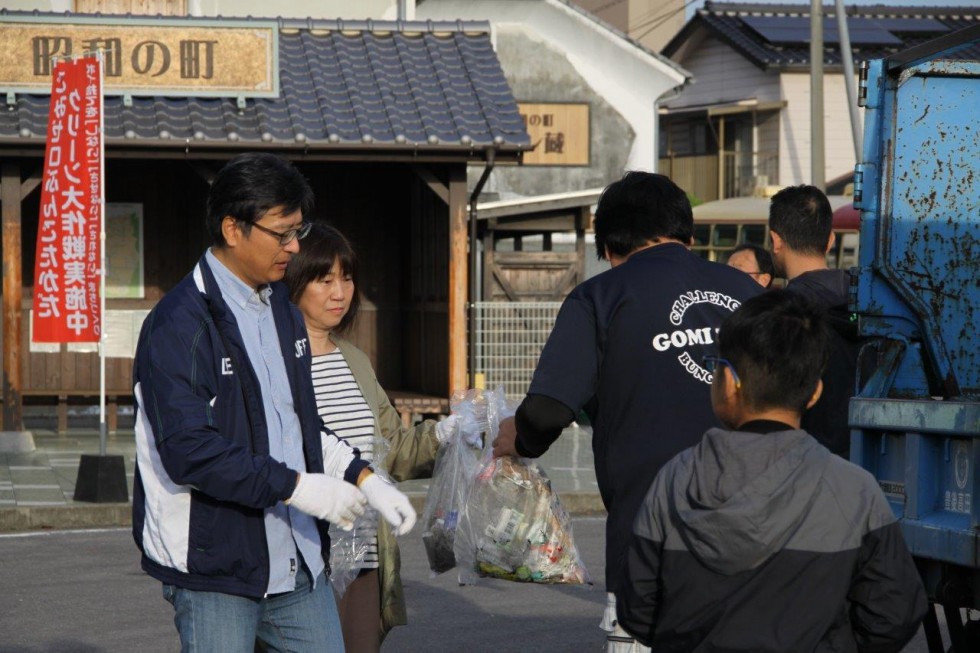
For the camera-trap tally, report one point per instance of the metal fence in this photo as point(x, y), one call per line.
point(509, 339)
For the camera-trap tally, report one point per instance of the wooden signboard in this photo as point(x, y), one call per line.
point(559, 132)
point(161, 57)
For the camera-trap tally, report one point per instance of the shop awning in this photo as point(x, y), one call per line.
point(725, 108)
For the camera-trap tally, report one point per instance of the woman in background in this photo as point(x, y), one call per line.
point(322, 280)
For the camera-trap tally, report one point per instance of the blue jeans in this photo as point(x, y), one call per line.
point(301, 621)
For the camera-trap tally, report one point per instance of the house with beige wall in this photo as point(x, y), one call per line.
point(744, 122)
point(649, 22)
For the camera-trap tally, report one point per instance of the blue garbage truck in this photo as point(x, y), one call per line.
point(916, 295)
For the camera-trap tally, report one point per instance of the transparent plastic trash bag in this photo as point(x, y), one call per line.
point(348, 548)
point(512, 524)
point(455, 466)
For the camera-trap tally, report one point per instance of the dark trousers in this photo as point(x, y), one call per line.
point(360, 613)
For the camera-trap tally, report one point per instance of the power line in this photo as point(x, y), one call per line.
point(662, 19)
point(650, 12)
point(659, 20)
point(612, 3)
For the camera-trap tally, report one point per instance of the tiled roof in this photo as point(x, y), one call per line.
point(731, 23)
point(343, 85)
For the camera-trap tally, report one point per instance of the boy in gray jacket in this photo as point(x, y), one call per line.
point(758, 538)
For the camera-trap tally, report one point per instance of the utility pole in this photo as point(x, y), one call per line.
point(847, 59)
point(817, 174)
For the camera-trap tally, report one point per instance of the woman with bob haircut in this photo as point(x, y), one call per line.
point(322, 281)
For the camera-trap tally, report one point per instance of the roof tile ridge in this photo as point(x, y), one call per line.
point(371, 25)
point(446, 87)
point(467, 139)
point(301, 137)
point(414, 89)
point(373, 65)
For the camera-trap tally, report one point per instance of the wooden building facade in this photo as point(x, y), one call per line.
point(381, 118)
point(523, 260)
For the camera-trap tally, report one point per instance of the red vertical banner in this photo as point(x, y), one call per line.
point(67, 264)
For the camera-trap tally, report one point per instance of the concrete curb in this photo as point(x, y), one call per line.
point(36, 518)
point(17, 442)
point(119, 515)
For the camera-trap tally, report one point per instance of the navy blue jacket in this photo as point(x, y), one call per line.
point(827, 419)
point(204, 475)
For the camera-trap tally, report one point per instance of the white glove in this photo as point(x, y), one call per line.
point(325, 497)
point(472, 437)
point(446, 428)
point(468, 428)
point(392, 504)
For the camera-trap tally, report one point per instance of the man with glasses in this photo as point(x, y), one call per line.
point(755, 262)
point(758, 538)
point(627, 348)
point(236, 476)
point(288, 236)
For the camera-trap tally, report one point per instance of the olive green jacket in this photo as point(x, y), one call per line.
point(411, 454)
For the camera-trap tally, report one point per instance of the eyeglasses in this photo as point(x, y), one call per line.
point(287, 237)
point(711, 364)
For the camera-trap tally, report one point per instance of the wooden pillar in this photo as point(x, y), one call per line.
point(458, 278)
point(721, 157)
point(488, 250)
point(62, 414)
point(10, 196)
point(582, 221)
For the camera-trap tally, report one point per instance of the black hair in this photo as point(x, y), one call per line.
point(640, 207)
point(317, 253)
point(802, 217)
point(778, 344)
point(250, 185)
point(763, 258)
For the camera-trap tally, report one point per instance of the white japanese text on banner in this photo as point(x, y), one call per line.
point(67, 264)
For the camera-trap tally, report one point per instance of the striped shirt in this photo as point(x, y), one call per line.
point(344, 410)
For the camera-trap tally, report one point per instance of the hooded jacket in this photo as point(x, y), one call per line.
point(827, 419)
point(766, 541)
point(204, 475)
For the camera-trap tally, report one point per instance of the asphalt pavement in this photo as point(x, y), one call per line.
point(83, 592)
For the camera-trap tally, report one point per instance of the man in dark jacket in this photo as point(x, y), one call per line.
point(236, 476)
point(800, 225)
point(627, 348)
point(758, 538)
